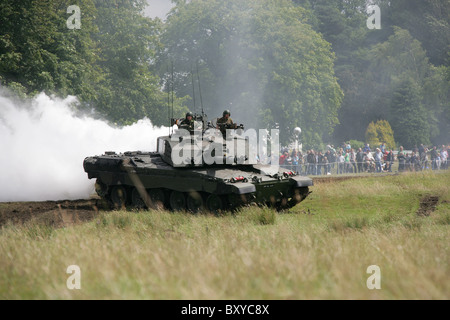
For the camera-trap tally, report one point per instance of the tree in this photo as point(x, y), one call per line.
point(260, 59)
point(343, 24)
point(372, 135)
point(39, 53)
point(387, 65)
point(127, 43)
point(107, 63)
point(428, 21)
point(385, 133)
point(409, 117)
point(380, 132)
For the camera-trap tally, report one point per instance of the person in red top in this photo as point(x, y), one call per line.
point(283, 157)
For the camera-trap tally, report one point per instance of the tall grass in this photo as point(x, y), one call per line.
point(320, 249)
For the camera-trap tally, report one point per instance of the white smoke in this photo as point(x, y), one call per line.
point(43, 145)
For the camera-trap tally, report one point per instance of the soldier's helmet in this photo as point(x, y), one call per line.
point(189, 114)
point(226, 112)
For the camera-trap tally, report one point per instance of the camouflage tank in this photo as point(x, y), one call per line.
point(207, 178)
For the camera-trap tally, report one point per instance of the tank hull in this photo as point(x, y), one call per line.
point(145, 180)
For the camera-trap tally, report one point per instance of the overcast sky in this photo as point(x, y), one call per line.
point(158, 8)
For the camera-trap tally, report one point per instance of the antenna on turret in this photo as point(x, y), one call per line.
point(193, 88)
point(200, 90)
point(168, 101)
point(172, 89)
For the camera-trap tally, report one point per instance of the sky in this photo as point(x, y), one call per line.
point(158, 8)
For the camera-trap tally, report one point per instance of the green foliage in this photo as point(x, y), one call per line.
point(426, 20)
point(409, 115)
point(372, 135)
point(380, 132)
point(127, 42)
point(387, 65)
point(385, 133)
point(39, 53)
point(107, 63)
point(260, 59)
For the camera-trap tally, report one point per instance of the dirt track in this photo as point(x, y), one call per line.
point(54, 213)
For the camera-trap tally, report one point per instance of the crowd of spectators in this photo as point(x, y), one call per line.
point(346, 159)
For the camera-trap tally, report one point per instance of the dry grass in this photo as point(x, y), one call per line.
point(319, 250)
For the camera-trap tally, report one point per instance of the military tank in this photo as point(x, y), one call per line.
point(195, 171)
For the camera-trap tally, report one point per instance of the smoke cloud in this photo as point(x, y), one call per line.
point(43, 145)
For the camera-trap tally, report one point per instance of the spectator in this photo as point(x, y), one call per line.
point(283, 157)
point(438, 161)
point(401, 161)
point(444, 157)
point(341, 161)
point(414, 161)
point(359, 160)
point(295, 159)
point(347, 162)
point(369, 163)
point(366, 148)
point(423, 158)
point(348, 147)
point(390, 160)
point(421, 150)
point(383, 147)
point(408, 162)
point(310, 159)
point(353, 160)
point(328, 165)
point(434, 156)
point(378, 157)
point(331, 159)
point(319, 163)
point(331, 148)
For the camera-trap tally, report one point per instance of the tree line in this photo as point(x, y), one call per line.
point(312, 64)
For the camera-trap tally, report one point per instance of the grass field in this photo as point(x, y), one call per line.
point(320, 249)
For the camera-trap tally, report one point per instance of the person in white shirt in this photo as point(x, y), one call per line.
point(444, 157)
point(378, 158)
point(341, 160)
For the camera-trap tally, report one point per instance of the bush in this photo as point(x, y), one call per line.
point(380, 132)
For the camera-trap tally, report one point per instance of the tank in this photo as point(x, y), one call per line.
point(195, 171)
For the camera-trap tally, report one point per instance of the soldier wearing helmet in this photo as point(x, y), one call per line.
point(225, 122)
point(188, 122)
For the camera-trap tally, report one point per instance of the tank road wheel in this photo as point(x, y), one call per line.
point(177, 201)
point(157, 198)
point(214, 203)
point(137, 200)
point(299, 195)
point(283, 204)
point(101, 188)
point(194, 202)
point(119, 197)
